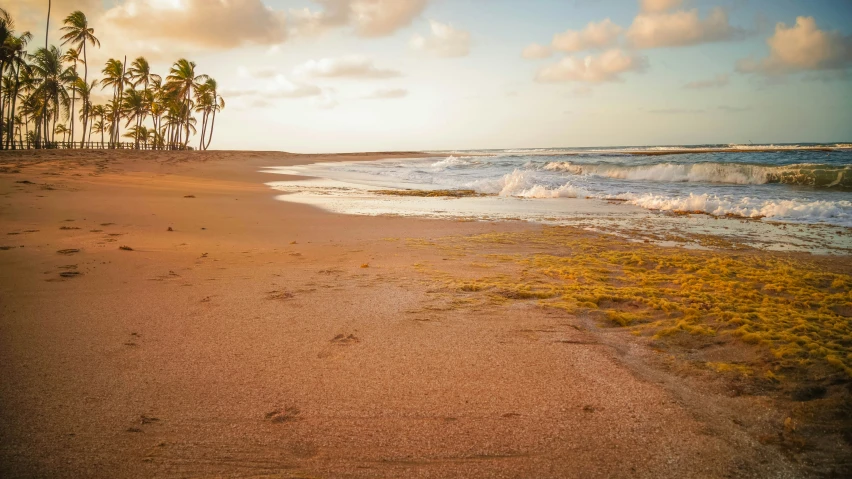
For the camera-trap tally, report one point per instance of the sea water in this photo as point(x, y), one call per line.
point(805, 184)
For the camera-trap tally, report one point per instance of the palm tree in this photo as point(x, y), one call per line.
point(183, 80)
point(112, 112)
point(138, 133)
point(19, 124)
point(135, 107)
point(63, 130)
point(140, 73)
point(73, 56)
point(79, 33)
point(98, 126)
point(42, 89)
point(207, 102)
point(114, 76)
point(156, 139)
point(85, 91)
point(47, 69)
point(16, 58)
point(157, 104)
point(12, 53)
point(99, 112)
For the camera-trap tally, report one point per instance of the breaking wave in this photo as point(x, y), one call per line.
point(450, 161)
point(806, 174)
point(522, 183)
point(819, 211)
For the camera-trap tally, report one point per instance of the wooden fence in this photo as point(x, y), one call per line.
point(92, 145)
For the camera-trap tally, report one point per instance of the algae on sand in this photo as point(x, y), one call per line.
point(431, 193)
point(790, 308)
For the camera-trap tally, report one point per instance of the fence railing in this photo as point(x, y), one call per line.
point(91, 145)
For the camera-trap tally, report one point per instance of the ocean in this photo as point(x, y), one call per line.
point(804, 184)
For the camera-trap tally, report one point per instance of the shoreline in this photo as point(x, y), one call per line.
point(260, 336)
point(363, 195)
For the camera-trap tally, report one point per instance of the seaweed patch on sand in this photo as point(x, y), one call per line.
point(768, 323)
point(431, 193)
point(794, 309)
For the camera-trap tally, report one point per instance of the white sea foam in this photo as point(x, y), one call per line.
point(730, 173)
point(448, 162)
point(835, 212)
point(522, 183)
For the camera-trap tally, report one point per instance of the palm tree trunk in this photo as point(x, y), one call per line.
point(188, 116)
point(203, 130)
point(212, 125)
point(2, 107)
point(43, 127)
point(47, 29)
point(55, 116)
point(14, 98)
point(117, 124)
point(73, 100)
point(85, 104)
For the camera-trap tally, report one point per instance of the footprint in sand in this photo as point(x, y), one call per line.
point(132, 341)
point(280, 295)
point(286, 414)
point(337, 346)
point(143, 419)
point(344, 339)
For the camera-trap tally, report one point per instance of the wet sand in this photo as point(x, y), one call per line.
point(239, 336)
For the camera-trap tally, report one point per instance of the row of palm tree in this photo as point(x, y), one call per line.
point(41, 92)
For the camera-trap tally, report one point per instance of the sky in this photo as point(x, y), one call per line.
point(381, 75)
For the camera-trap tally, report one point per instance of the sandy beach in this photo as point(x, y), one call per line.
point(162, 315)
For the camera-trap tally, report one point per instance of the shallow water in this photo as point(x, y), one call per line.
point(617, 189)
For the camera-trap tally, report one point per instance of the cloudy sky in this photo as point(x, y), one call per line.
point(345, 75)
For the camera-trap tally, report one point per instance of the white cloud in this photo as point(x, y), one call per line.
point(681, 28)
point(802, 47)
point(606, 67)
point(536, 51)
point(718, 82)
point(369, 18)
point(262, 73)
point(343, 67)
point(285, 88)
point(445, 41)
point(376, 18)
point(387, 94)
point(654, 6)
point(282, 87)
point(200, 23)
point(326, 100)
point(595, 35)
point(29, 14)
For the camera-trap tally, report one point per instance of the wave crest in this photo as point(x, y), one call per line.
point(834, 212)
point(522, 183)
point(823, 176)
point(450, 161)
